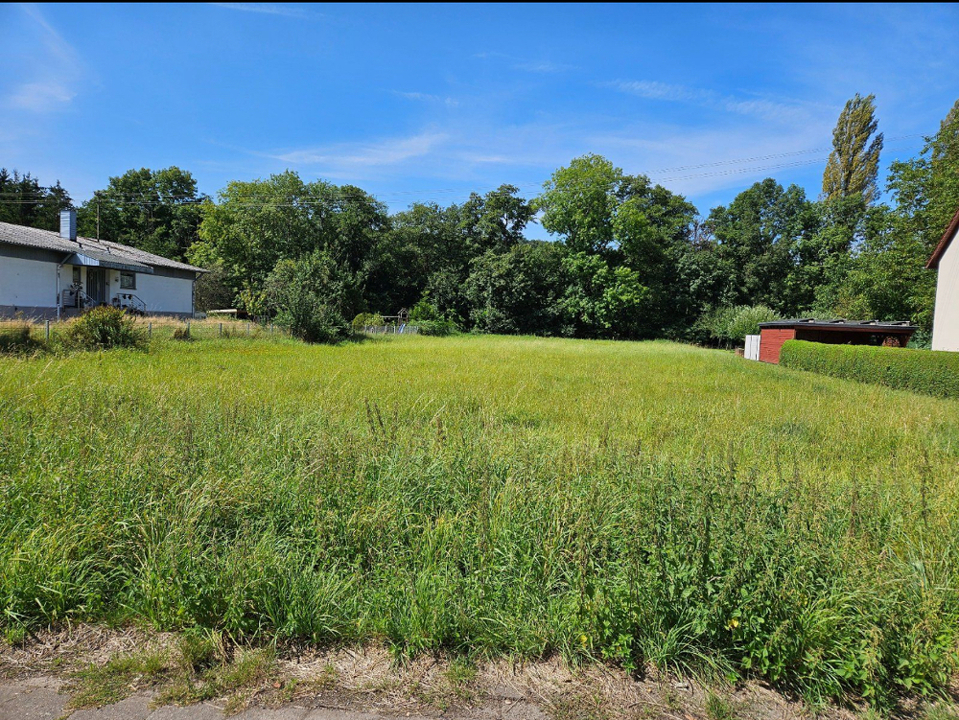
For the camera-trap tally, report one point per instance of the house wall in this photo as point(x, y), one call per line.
point(166, 292)
point(28, 286)
point(771, 343)
point(945, 322)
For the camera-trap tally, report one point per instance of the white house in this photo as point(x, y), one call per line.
point(44, 274)
point(945, 321)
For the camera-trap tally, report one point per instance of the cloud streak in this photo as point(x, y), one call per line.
point(359, 157)
point(764, 109)
point(57, 71)
point(426, 97)
point(268, 9)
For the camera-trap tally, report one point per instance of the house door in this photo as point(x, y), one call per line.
point(97, 284)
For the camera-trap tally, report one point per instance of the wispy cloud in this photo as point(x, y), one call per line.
point(527, 64)
point(269, 9)
point(542, 66)
point(41, 96)
point(426, 97)
point(56, 71)
point(357, 157)
point(764, 108)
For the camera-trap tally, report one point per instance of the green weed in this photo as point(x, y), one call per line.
point(479, 496)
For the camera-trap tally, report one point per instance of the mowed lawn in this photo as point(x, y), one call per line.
point(625, 502)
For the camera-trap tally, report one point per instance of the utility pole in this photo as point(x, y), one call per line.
point(96, 194)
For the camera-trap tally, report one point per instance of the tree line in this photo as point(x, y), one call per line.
point(632, 259)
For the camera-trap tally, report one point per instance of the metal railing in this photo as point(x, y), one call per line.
point(129, 301)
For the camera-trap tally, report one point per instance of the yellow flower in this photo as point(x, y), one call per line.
point(583, 639)
point(733, 623)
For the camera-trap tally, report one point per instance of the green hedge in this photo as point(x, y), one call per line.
point(922, 371)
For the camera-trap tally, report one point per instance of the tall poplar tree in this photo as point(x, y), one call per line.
point(854, 161)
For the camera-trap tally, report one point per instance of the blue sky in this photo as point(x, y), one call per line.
point(426, 103)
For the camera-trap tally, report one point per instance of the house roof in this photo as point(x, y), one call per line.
point(876, 326)
point(98, 252)
point(944, 242)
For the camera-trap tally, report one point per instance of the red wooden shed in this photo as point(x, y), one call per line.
point(836, 332)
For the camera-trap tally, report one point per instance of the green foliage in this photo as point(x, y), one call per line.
point(428, 318)
point(519, 292)
point(437, 328)
point(578, 203)
point(211, 291)
point(26, 202)
point(854, 161)
point(483, 496)
point(730, 325)
point(311, 297)
point(255, 225)
point(99, 685)
point(601, 300)
point(921, 371)
point(17, 339)
point(758, 238)
point(158, 211)
point(103, 328)
point(367, 320)
point(425, 311)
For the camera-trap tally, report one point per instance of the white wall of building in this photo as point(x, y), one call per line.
point(162, 294)
point(32, 284)
point(29, 283)
point(945, 322)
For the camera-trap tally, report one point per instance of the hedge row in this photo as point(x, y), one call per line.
point(921, 371)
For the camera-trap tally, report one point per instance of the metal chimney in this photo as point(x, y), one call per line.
point(68, 224)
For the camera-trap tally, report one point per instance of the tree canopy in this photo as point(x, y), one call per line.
point(629, 258)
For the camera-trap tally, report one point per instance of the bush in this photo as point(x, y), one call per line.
point(730, 325)
point(921, 371)
point(439, 328)
point(104, 328)
point(310, 297)
point(18, 340)
point(367, 320)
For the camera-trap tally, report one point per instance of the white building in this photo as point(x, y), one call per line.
point(44, 274)
point(945, 321)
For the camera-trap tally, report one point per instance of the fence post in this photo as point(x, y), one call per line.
point(188, 328)
point(149, 329)
point(220, 331)
point(248, 329)
point(48, 331)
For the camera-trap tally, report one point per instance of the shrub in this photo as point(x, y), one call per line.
point(310, 297)
point(439, 328)
point(730, 325)
point(104, 328)
point(921, 371)
point(367, 320)
point(18, 340)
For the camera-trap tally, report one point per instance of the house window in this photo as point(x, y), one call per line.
point(128, 281)
point(76, 275)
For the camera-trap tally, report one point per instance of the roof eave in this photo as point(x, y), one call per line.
point(947, 237)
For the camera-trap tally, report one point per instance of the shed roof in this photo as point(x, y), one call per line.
point(878, 326)
point(944, 242)
point(101, 252)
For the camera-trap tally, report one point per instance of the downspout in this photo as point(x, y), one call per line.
point(59, 296)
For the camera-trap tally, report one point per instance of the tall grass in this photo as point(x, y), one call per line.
point(620, 501)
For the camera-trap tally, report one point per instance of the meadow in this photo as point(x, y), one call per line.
point(632, 503)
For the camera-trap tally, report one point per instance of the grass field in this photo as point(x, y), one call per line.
point(627, 502)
